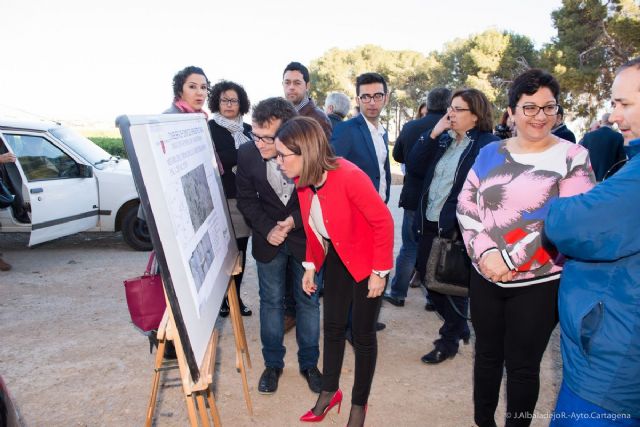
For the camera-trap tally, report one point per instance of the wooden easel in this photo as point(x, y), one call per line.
point(201, 390)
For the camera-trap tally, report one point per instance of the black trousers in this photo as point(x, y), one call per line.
point(455, 327)
point(340, 293)
point(512, 327)
point(242, 243)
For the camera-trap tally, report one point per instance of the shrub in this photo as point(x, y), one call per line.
point(113, 146)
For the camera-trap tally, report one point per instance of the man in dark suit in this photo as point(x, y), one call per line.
point(295, 81)
point(561, 130)
point(606, 148)
point(437, 103)
point(363, 140)
point(336, 105)
point(269, 203)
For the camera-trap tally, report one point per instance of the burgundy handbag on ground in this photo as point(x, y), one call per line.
point(145, 298)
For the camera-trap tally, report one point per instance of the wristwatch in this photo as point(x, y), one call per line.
point(380, 274)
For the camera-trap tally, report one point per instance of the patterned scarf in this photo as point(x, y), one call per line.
point(234, 127)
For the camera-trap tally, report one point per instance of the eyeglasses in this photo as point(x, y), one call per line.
point(366, 98)
point(457, 109)
point(533, 110)
point(265, 139)
point(281, 156)
point(229, 101)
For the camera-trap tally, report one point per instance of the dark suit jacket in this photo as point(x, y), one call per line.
point(311, 110)
point(352, 140)
point(225, 146)
point(564, 132)
point(606, 148)
point(262, 208)
point(408, 136)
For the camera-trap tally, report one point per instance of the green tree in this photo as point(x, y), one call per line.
point(593, 39)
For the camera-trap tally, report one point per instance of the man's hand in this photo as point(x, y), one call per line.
point(308, 284)
point(7, 158)
point(494, 268)
point(276, 236)
point(287, 225)
point(376, 285)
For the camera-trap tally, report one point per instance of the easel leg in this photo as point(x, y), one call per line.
point(241, 341)
point(202, 409)
point(213, 408)
point(156, 376)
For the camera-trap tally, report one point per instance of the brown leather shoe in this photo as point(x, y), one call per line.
point(289, 323)
point(4, 266)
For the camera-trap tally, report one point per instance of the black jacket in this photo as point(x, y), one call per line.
point(424, 157)
point(225, 146)
point(410, 133)
point(335, 119)
point(564, 132)
point(606, 148)
point(262, 208)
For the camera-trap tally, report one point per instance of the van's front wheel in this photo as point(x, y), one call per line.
point(135, 231)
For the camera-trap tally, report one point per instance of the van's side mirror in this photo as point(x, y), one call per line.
point(86, 171)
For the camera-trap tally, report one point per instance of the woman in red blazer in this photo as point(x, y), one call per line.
point(349, 228)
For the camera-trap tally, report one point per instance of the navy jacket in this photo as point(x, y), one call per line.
point(408, 136)
point(352, 140)
point(606, 149)
point(599, 297)
point(565, 133)
point(424, 157)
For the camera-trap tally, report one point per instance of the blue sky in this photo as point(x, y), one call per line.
point(88, 60)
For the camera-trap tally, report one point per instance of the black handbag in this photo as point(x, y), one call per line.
point(6, 198)
point(448, 267)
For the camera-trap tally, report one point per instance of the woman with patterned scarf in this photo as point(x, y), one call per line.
point(229, 102)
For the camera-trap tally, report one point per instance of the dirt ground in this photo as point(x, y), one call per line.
point(71, 357)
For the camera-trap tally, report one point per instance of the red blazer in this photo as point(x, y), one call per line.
point(358, 222)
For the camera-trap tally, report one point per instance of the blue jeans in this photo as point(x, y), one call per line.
point(572, 410)
point(406, 260)
point(272, 277)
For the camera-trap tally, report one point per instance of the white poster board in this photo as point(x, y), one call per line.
point(174, 167)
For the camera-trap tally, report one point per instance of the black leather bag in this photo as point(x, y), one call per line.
point(448, 267)
point(6, 198)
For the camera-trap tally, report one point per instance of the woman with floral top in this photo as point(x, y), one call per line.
point(501, 211)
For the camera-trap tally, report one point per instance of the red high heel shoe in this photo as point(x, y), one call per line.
point(310, 417)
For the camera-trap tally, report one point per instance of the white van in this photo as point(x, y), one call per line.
point(64, 184)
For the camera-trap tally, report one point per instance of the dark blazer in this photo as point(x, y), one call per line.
point(311, 110)
point(425, 155)
point(352, 140)
point(606, 148)
point(225, 146)
point(262, 208)
point(335, 119)
point(564, 132)
point(408, 136)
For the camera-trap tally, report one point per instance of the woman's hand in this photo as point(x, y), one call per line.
point(308, 284)
point(442, 125)
point(494, 268)
point(376, 285)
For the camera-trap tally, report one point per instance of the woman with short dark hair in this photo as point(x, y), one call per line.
point(446, 153)
point(228, 102)
point(514, 282)
point(350, 230)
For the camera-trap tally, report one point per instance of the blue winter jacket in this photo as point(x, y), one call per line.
point(599, 299)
